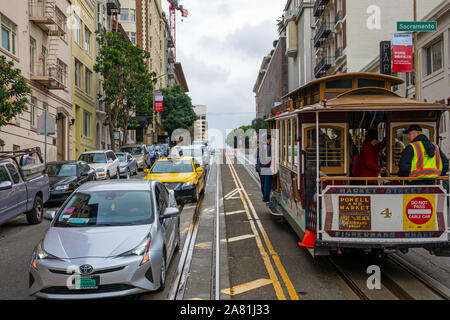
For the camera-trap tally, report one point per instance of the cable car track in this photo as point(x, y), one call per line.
point(389, 284)
point(181, 276)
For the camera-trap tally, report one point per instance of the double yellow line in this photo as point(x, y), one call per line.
point(248, 205)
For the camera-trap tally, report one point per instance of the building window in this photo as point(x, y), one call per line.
point(61, 71)
point(132, 37)
point(87, 40)
point(86, 124)
point(8, 35)
point(88, 80)
point(124, 15)
point(434, 57)
point(132, 15)
point(78, 72)
point(32, 55)
point(76, 29)
point(33, 103)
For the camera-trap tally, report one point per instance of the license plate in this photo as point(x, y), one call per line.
point(87, 283)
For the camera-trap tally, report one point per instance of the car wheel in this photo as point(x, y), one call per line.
point(108, 176)
point(35, 215)
point(162, 276)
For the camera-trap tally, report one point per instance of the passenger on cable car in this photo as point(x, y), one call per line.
point(266, 170)
point(369, 159)
point(422, 159)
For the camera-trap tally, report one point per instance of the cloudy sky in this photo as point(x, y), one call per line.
point(221, 45)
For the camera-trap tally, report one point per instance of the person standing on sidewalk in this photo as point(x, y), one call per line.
point(258, 169)
point(266, 170)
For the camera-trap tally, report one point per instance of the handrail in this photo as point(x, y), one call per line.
point(367, 179)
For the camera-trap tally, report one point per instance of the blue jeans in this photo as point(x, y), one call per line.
point(267, 187)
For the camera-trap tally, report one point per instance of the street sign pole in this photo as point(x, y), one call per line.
point(154, 118)
point(416, 56)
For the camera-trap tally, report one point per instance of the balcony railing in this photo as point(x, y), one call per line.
point(47, 17)
point(319, 7)
point(323, 66)
point(322, 33)
point(52, 76)
point(170, 57)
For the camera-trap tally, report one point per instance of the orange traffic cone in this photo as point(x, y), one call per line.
point(309, 240)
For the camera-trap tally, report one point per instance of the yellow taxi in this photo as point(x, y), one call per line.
point(183, 175)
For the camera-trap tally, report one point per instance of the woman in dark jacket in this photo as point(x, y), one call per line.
point(369, 159)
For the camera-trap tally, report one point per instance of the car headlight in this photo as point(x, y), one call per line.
point(189, 183)
point(100, 170)
point(61, 188)
point(141, 250)
point(40, 254)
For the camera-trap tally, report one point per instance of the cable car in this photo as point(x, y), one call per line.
point(328, 207)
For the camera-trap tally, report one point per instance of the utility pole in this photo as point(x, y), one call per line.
point(416, 56)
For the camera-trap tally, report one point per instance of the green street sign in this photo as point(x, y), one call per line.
point(419, 26)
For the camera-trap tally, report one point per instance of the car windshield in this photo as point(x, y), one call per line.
point(181, 166)
point(106, 208)
point(93, 158)
point(133, 150)
point(193, 152)
point(122, 157)
point(61, 170)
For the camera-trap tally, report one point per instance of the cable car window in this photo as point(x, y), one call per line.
point(289, 145)
point(295, 134)
point(340, 84)
point(362, 83)
point(331, 148)
point(400, 142)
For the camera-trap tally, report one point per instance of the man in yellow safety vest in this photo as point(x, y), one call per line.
point(422, 159)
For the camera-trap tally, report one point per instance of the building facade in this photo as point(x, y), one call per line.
point(36, 38)
point(299, 28)
point(201, 124)
point(84, 97)
point(272, 81)
point(347, 33)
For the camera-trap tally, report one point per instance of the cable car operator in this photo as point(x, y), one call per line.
point(421, 158)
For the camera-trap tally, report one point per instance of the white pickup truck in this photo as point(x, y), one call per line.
point(22, 189)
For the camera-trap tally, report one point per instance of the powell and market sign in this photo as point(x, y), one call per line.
point(418, 26)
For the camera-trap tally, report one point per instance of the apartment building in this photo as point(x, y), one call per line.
point(299, 29)
point(201, 124)
point(34, 36)
point(272, 81)
point(83, 89)
point(347, 33)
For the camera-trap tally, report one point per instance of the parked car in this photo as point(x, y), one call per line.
point(141, 153)
point(198, 153)
point(128, 164)
point(105, 163)
point(22, 189)
point(183, 175)
point(109, 240)
point(66, 176)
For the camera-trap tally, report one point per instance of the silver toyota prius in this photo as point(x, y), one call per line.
point(109, 239)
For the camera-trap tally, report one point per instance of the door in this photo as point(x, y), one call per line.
point(61, 139)
point(162, 196)
point(19, 188)
point(8, 202)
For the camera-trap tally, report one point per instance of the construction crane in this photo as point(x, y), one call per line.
point(173, 7)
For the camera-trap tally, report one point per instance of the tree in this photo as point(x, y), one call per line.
point(127, 86)
point(13, 92)
point(281, 26)
point(178, 110)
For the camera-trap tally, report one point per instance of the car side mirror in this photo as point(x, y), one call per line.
point(4, 185)
point(84, 174)
point(147, 171)
point(172, 199)
point(199, 171)
point(171, 213)
point(50, 215)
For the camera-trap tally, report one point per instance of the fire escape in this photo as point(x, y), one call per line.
point(50, 71)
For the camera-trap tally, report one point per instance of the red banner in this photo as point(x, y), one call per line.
point(159, 104)
point(402, 59)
